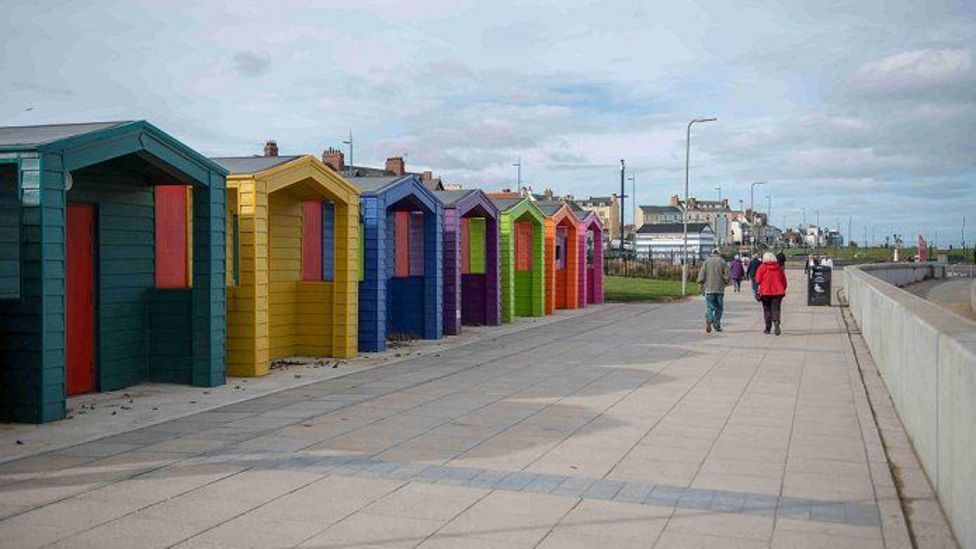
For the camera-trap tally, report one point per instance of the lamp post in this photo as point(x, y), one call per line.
point(623, 196)
point(351, 160)
point(684, 208)
point(633, 196)
point(519, 180)
point(752, 207)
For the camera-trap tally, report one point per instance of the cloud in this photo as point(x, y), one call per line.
point(251, 64)
point(916, 70)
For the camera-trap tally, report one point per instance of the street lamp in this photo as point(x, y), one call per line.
point(752, 206)
point(351, 159)
point(718, 234)
point(519, 180)
point(684, 209)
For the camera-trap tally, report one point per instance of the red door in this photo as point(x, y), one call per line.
point(80, 277)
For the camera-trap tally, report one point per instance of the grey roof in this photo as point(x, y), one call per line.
point(660, 209)
point(506, 203)
point(659, 228)
point(32, 136)
point(450, 198)
point(252, 164)
point(374, 184)
point(550, 207)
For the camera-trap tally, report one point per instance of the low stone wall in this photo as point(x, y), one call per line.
point(927, 358)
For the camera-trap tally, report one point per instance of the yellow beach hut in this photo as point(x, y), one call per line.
point(292, 261)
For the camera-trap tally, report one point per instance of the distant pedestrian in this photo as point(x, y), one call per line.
point(751, 272)
point(781, 259)
point(712, 278)
point(827, 262)
point(736, 272)
point(771, 278)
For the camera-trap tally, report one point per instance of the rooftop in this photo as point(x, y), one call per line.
point(252, 164)
point(33, 136)
point(450, 198)
point(672, 228)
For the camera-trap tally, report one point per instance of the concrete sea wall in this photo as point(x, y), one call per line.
point(927, 358)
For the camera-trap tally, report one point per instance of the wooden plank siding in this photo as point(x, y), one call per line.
point(562, 288)
point(376, 308)
point(272, 312)
point(532, 284)
point(113, 168)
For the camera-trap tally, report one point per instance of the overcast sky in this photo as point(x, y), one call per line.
point(864, 108)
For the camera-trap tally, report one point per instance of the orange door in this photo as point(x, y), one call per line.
point(80, 290)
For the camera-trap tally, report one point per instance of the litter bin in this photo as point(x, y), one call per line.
point(818, 286)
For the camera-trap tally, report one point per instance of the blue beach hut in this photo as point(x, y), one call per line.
point(400, 280)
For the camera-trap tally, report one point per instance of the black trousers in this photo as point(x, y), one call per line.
point(772, 304)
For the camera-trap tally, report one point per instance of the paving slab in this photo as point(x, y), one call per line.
point(615, 426)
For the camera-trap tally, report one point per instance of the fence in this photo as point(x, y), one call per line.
point(645, 268)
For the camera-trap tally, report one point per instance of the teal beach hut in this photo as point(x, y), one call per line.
point(112, 264)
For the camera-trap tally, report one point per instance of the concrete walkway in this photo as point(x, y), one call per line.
point(624, 427)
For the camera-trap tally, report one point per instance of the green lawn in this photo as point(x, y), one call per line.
point(619, 288)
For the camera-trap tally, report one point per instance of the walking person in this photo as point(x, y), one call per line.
point(751, 272)
point(781, 259)
point(771, 278)
point(736, 272)
point(712, 278)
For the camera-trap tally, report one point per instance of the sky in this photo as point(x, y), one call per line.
point(860, 112)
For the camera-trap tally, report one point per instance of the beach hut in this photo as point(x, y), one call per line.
point(590, 257)
point(472, 284)
point(292, 261)
point(111, 264)
point(400, 288)
point(562, 256)
point(522, 234)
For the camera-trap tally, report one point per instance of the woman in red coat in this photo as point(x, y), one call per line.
point(771, 278)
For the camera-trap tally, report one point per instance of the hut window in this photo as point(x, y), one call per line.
point(416, 244)
point(171, 223)
point(401, 245)
point(236, 249)
point(362, 250)
point(312, 241)
point(465, 253)
point(473, 245)
point(523, 246)
point(409, 244)
point(560, 247)
point(9, 233)
point(328, 240)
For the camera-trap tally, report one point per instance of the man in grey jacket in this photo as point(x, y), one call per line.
point(712, 278)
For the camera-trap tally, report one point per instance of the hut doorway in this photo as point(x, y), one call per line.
point(80, 299)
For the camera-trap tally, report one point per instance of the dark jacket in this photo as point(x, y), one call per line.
point(753, 267)
point(781, 259)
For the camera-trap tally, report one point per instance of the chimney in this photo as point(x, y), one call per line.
point(427, 175)
point(271, 148)
point(395, 164)
point(674, 201)
point(334, 159)
point(506, 189)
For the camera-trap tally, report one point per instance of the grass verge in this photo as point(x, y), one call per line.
point(626, 289)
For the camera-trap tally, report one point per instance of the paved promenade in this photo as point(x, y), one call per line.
point(626, 427)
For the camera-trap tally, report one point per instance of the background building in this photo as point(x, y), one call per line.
point(607, 208)
point(659, 214)
point(665, 241)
